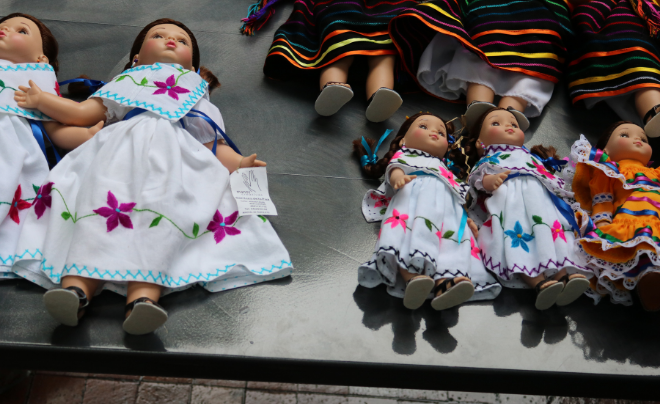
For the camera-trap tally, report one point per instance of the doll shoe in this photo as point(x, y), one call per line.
point(573, 288)
point(332, 98)
point(546, 297)
point(417, 290)
point(452, 293)
point(652, 122)
point(647, 291)
point(383, 104)
point(146, 316)
point(474, 111)
point(66, 305)
point(523, 122)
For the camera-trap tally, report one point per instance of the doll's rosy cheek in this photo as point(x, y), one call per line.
point(418, 133)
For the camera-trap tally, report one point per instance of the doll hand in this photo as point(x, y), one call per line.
point(400, 182)
point(94, 129)
point(28, 97)
point(493, 181)
point(251, 161)
point(473, 227)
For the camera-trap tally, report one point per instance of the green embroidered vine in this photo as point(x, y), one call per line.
point(145, 83)
point(3, 87)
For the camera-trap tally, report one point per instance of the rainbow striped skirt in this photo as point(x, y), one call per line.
point(320, 32)
point(614, 54)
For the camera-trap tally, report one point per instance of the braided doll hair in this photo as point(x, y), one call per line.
point(605, 137)
point(376, 170)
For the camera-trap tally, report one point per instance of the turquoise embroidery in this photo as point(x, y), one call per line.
point(12, 258)
point(24, 67)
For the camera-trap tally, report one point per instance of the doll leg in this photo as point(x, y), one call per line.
point(547, 290)
point(513, 102)
point(67, 305)
point(647, 290)
point(646, 102)
point(452, 292)
point(335, 93)
point(418, 288)
point(143, 313)
point(574, 286)
point(88, 285)
point(479, 92)
point(336, 72)
point(479, 99)
point(383, 101)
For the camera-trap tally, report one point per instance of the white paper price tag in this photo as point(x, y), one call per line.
point(250, 189)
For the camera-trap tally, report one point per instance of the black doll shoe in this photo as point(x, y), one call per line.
point(573, 288)
point(474, 111)
point(417, 290)
point(452, 293)
point(333, 96)
point(66, 305)
point(652, 122)
point(383, 104)
point(547, 297)
point(146, 316)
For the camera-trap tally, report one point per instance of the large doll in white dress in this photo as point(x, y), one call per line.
point(145, 208)
point(28, 51)
point(527, 234)
point(426, 248)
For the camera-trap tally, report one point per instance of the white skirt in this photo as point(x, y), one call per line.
point(22, 164)
point(419, 234)
point(446, 68)
point(144, 201)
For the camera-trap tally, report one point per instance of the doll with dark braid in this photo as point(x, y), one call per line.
point(426, 247)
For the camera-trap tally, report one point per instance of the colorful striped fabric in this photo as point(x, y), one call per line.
point(614, 53)
point(526, 36)
point(320, 32)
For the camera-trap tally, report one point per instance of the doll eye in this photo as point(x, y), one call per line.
point(423, 126)
point(183, 41)
point(624, 135)
point(23, 31)
point(495, 124)
point(156, 36)
point(515, 125)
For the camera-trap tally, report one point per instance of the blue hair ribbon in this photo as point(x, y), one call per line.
point(372, 158)
point(39, 132)
point(451, 139)
point(552, 162)
point(92, 84)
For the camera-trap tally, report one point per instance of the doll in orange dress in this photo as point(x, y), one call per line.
point(622, 194)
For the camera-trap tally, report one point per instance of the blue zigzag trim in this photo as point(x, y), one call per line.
point(13, 258)
point(24, 112)
point(24, 67)
point(159, 278)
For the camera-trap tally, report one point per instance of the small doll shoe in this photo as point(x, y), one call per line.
point(452, 293)
point(523, 122)
point(547, 297)
point(417, 290)
point(574, 286)
point(66, 305)
point(473, 112)
point(332, 98)
point(146, 316)
point(383, 104)
point(652, 126)
point(647, 291)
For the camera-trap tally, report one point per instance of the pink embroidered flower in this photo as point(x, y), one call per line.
point(57, 88)
point(541, 168)
point(114, 213)
point(474, 249)
point(397, 218)
point(397, 155)
point(448, 175)
point(43, 199)
point(170, 87)
point(558, 231)
point(381, 200)
point(222, 226)
point(18, 204)
point(439, 234)
point(489, 223)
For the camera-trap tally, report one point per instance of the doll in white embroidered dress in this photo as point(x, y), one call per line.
point(426, 248)
point(145, 208)
point(527, 239)
point(28, 50)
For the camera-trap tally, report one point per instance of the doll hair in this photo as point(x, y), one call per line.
point(605, 137)
point(203, 71)
point(454, 155)
point(48, 41)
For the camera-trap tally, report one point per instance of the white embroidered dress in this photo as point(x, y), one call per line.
point(525, 233)
point(144, 200)
point(421, 230)
point(23, 166)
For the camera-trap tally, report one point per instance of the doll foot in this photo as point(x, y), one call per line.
point(383, 104)
point(652, 122)
point(574, 286)
point(417, 290)
point(451, 293)
point(647, 290)
point(145, 316)
point(66, 305)
point(474, 111)
point(546, 296)
point(332, 98)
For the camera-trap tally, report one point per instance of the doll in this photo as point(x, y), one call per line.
point(616, 60)
point(144, 208)
point(513, 50)
point(28, 50)
point(325, 36)
point(427, 246)
point(615, 185)
point(527, 240)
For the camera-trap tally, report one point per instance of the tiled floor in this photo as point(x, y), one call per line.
point(75, 388)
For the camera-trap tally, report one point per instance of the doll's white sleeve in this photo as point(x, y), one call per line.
point(114, 112)
point(199, 128)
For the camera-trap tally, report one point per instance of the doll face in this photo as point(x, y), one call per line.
point(427, 133)
point(166, 43)
point(501, 127)
point(629, 141)
point(20, 41)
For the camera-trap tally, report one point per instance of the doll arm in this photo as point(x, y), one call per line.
point(70, 137)
point(398, 178)
point(232, 160)
point(69, 112)
point(602, 198)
